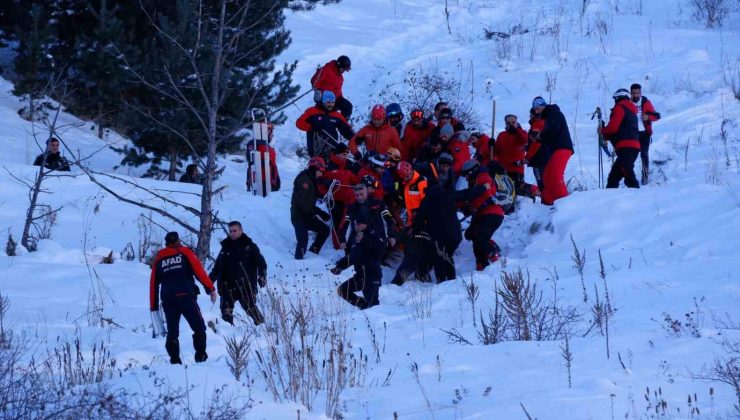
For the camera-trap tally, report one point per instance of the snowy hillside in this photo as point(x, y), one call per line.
point(669, 250)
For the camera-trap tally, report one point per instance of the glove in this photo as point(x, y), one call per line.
point(262, 280)
point(336, 271)
point(359, 140)
point(324, 216)
point(313, 120)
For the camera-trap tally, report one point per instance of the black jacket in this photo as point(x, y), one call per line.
point(437, 215)
point(372, 245)
point(431, 172)
point(238, 265)
point(54, 161)
point(305, 194)
point(189, 179)
point(555, 135)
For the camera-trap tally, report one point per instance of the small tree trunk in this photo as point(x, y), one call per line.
point(206, 214)
point(26, 237)
point(172, 173)
point(100, 121)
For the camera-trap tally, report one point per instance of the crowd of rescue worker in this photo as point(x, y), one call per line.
point(395, 188)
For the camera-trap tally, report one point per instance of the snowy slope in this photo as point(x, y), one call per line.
point(665, 247)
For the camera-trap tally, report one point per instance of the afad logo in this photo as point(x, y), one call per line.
point(177, 259)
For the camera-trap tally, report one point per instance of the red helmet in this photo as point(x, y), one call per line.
point(317, 162)
point(404, 170)
point(378, 112)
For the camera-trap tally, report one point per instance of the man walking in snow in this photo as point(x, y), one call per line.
point(304, 214)
point(366, 243)
point(173, 269)
point(622, 131)
point(240, 268)
point(646, 114)
point(555, 139)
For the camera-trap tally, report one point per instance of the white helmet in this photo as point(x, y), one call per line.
point(621, 93)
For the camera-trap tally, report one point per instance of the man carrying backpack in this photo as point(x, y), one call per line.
point(479, 201)
point(646, 114)
point(622, 131)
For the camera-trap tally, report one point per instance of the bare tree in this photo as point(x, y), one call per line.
point(212, 58)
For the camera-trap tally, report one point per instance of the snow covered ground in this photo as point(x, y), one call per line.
point(669, 250)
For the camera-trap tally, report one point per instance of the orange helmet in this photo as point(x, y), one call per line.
point(394, 154)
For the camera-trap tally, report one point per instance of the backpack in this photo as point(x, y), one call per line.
point(505, 191)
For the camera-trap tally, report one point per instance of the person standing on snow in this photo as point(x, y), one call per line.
point(622, 131)
point(395, 117)
point(555, 139)
point(510, 150)
point(329, 78)
point(239, 269)
point(646, 114)
point(323, 126)
point(304, 214)
point(487, 215)
point(415, 135)
point(52, 159)
point(366, 244)
point(378, 136)
point(173, 269)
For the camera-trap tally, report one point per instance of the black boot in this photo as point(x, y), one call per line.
point(172, 345)
point(256, 315)
point(199, 343)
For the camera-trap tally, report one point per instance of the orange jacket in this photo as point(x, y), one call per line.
point(511, 148)
point(413, 193)
point(377, 139)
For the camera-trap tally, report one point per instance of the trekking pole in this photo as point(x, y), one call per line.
point(491, 144)
point(290, 103)
point(602, 146)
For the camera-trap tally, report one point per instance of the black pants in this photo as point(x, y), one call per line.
point(418, 251)
point(186, 306)
point(366, 280)
point(624, 167)
point(645, 141)
point(483, 229)
point(246, 298)
point(302, 226)
point(538, 171)
point(344, 107)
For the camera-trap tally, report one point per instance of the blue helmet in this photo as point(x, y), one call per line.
point(393, 110)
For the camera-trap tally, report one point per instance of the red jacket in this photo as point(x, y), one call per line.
point(622, 129)
point(483, 150)
point(329, 78)
point(413, 139)
point(483, 204)
point(649, 110)
point(511, 148)
point(303, 124)
point(536, 124)
point(379, 192)
point(377, 139)
point(338, 170)
point(174, 268)
point(460, 154)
